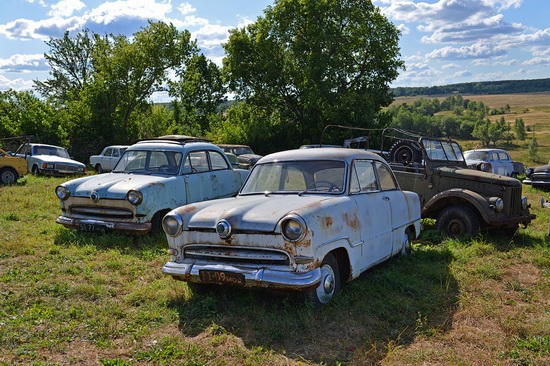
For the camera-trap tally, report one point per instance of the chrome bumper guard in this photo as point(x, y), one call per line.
point(99, 225)
point(253, 277)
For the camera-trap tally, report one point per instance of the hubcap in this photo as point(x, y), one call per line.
point(8, 177)
point(456, 227)
point(325, 290)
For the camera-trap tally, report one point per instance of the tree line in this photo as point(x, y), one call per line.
point(481, 87)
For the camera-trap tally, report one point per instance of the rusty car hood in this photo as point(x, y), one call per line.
point(114, 185)
point(259, 212)
point(477, 175)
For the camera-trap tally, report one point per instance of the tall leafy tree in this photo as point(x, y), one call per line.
point(315, 62)
point(199, 91)
point(71, 66)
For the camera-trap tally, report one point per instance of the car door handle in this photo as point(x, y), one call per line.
point(385, 198)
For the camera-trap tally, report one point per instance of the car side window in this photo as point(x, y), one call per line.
point(385, 176)
point(115, 153)
point(363, 178)
point(218, 162)
point(108, 152)
point(198, 161)
point(503, 156)
point(494, 156)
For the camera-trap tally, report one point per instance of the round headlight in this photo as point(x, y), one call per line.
point(223, 228)
point(293, 229)
point(528, 172)
point(524, 204)
point(62, 192)
point(172, 224)
point(135, 197)
point(496, 203)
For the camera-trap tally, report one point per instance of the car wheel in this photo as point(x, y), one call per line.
point(8, 176)
point(330, 281)
point(35, 169)
point(99, 169)
point(406, 249)
point(457, 221)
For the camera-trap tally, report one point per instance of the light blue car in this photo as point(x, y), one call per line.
point(151, 178)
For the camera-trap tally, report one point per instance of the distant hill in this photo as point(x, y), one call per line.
point(482, 87)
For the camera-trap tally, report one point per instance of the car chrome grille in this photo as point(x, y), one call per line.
point(70, 168)
point(236, 254)
point(102, 212)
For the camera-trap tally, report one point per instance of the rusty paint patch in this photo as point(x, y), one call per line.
point(327, 221)
point(353, 221)
point(315, 264)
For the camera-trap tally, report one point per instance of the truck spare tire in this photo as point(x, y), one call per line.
point(404, 151)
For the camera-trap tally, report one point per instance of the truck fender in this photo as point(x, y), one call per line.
point(456, 196)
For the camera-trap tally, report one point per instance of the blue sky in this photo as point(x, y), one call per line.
point(442, 42)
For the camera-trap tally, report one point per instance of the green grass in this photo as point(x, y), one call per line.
point(78, 298)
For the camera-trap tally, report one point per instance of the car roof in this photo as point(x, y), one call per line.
point(340, 153)
point(36, 144)
point(485, 150)
point(174, 145)
point(232, 145)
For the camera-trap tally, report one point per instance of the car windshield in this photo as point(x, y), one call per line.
point(51, 150)
point(149, 162)
point(476, 155)
point(311, 176)
point(243, 150)
point(442, 150)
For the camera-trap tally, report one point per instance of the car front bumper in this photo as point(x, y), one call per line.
point(252, 277)
point(101, 225)
point(537, 182)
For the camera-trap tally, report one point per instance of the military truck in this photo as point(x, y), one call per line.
point(462, 200)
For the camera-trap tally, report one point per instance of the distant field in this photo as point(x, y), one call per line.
point(533, 108)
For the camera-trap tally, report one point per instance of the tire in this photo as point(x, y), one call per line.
point(406, 249)
point(8, 176)
point(99, 169)
point(330, 282)
point(405, 152)
point(35, 169)
point(457, 220)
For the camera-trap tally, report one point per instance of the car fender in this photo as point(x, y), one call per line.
point(458, 195)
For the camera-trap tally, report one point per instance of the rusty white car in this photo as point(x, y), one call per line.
point(306, 220)
point(151, 178)
point(106, 161)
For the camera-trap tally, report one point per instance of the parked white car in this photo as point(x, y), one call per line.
point(49, 160)
point(106, 161)
point(305, 220)
point(495, 161)
point(151, 178)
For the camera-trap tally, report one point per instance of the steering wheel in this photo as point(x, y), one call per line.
point(319, 183)
point(167, 168)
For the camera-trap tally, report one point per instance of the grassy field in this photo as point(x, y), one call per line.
point(87, 299)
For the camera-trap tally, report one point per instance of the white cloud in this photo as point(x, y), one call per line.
point(477, 50)
point(450, 66)
point(15, 84)
point(186, 8)
point(23, 63)
point(403, 29)
point(66, 8)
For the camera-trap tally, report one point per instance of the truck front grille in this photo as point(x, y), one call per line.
point(236, 254)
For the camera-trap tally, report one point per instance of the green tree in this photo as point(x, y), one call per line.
point(315, 62)
point(533, 149)
point(519, 128)
point(199, 92)
point(481, 132)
